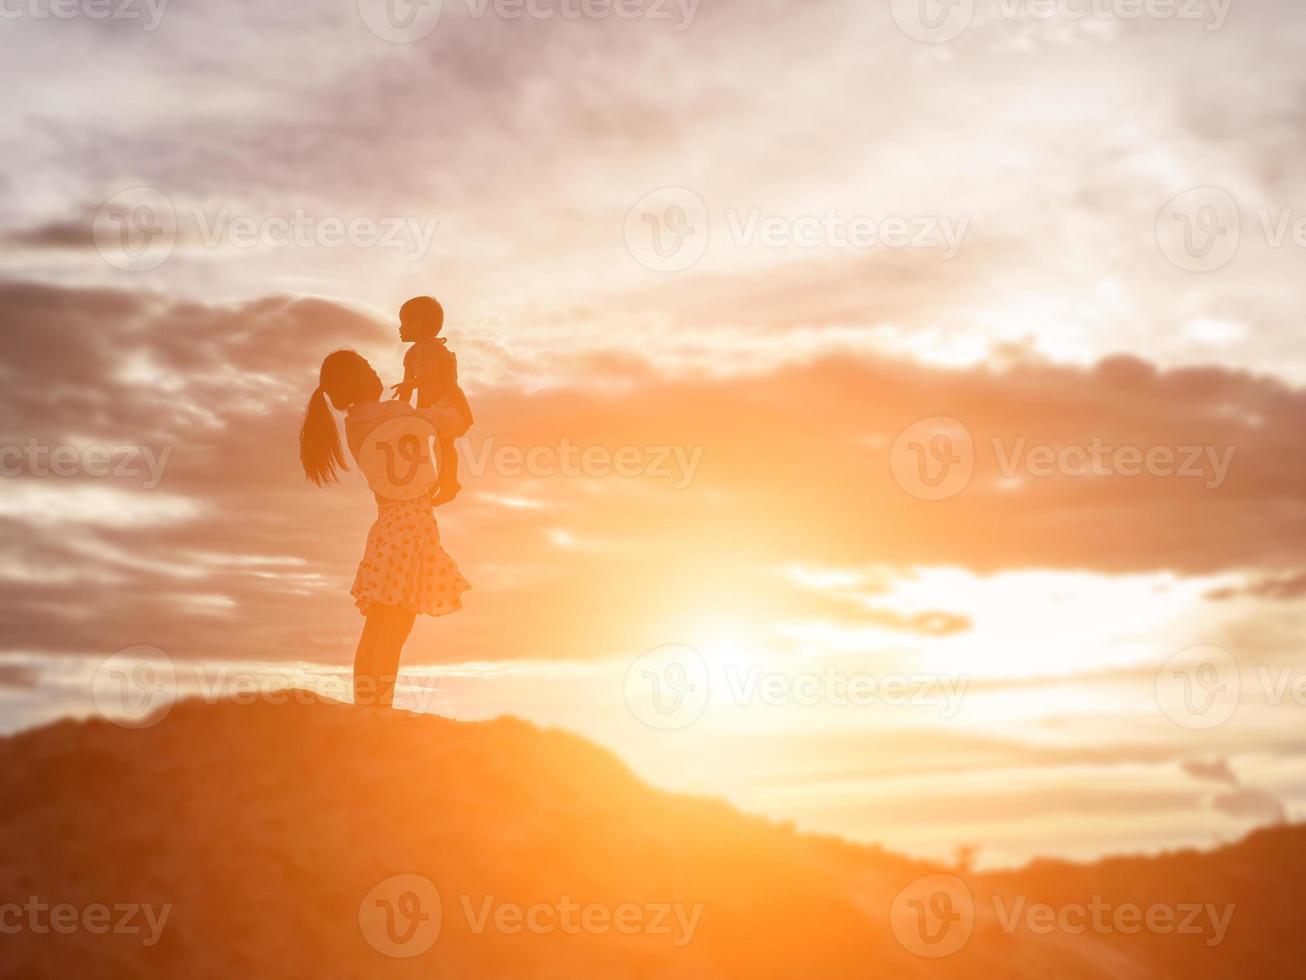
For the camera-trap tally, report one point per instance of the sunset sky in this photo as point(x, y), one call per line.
point(740, 401)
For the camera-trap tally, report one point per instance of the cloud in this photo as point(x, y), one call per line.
point(735, 477)
point(72, 234)
point(1216, 771)
point(924, 624)
point(1062, 192)
point(1241, 801)
point(1251, 803)
point(19, 676)
point(1280, 587)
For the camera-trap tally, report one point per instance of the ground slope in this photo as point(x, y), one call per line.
point(266, 828)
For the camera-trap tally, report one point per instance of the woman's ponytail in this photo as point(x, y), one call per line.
point(319, 442)
point(346, 380)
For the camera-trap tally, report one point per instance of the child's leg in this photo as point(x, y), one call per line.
point(449, 485)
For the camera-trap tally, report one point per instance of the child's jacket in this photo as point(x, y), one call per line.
point(432, 368)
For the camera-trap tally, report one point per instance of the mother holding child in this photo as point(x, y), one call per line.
point(404, 571)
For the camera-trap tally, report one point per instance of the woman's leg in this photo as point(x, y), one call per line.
point(365, 687)
point(395, 629)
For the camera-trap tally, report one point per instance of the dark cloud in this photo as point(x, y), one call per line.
point(1216, 771)
point(18, 676)
point(73, 234)
point(1249, 802)
point(1241, 801)
point(1281, 587)
point(233, 554)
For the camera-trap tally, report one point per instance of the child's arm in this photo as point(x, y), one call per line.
point(404, 390)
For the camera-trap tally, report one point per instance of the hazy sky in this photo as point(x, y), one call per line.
point(1054, 142)
point(749, 243)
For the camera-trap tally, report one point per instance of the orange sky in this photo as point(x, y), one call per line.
point(697, 450)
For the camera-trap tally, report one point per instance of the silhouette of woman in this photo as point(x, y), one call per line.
point(404, 570)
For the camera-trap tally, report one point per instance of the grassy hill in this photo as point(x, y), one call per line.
point(280, 837)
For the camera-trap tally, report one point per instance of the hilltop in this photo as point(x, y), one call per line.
point(264, 828)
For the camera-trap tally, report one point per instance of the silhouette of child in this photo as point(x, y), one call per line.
point(431, 369)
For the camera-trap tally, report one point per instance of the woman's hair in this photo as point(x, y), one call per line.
point(346, 379)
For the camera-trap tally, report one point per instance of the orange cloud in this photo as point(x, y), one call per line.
point(600, 517)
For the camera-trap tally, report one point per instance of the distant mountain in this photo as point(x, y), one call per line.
point(319, 840)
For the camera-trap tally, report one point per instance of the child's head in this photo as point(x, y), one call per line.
point(420, 319)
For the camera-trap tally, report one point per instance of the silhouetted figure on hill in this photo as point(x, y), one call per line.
point(404, 571)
